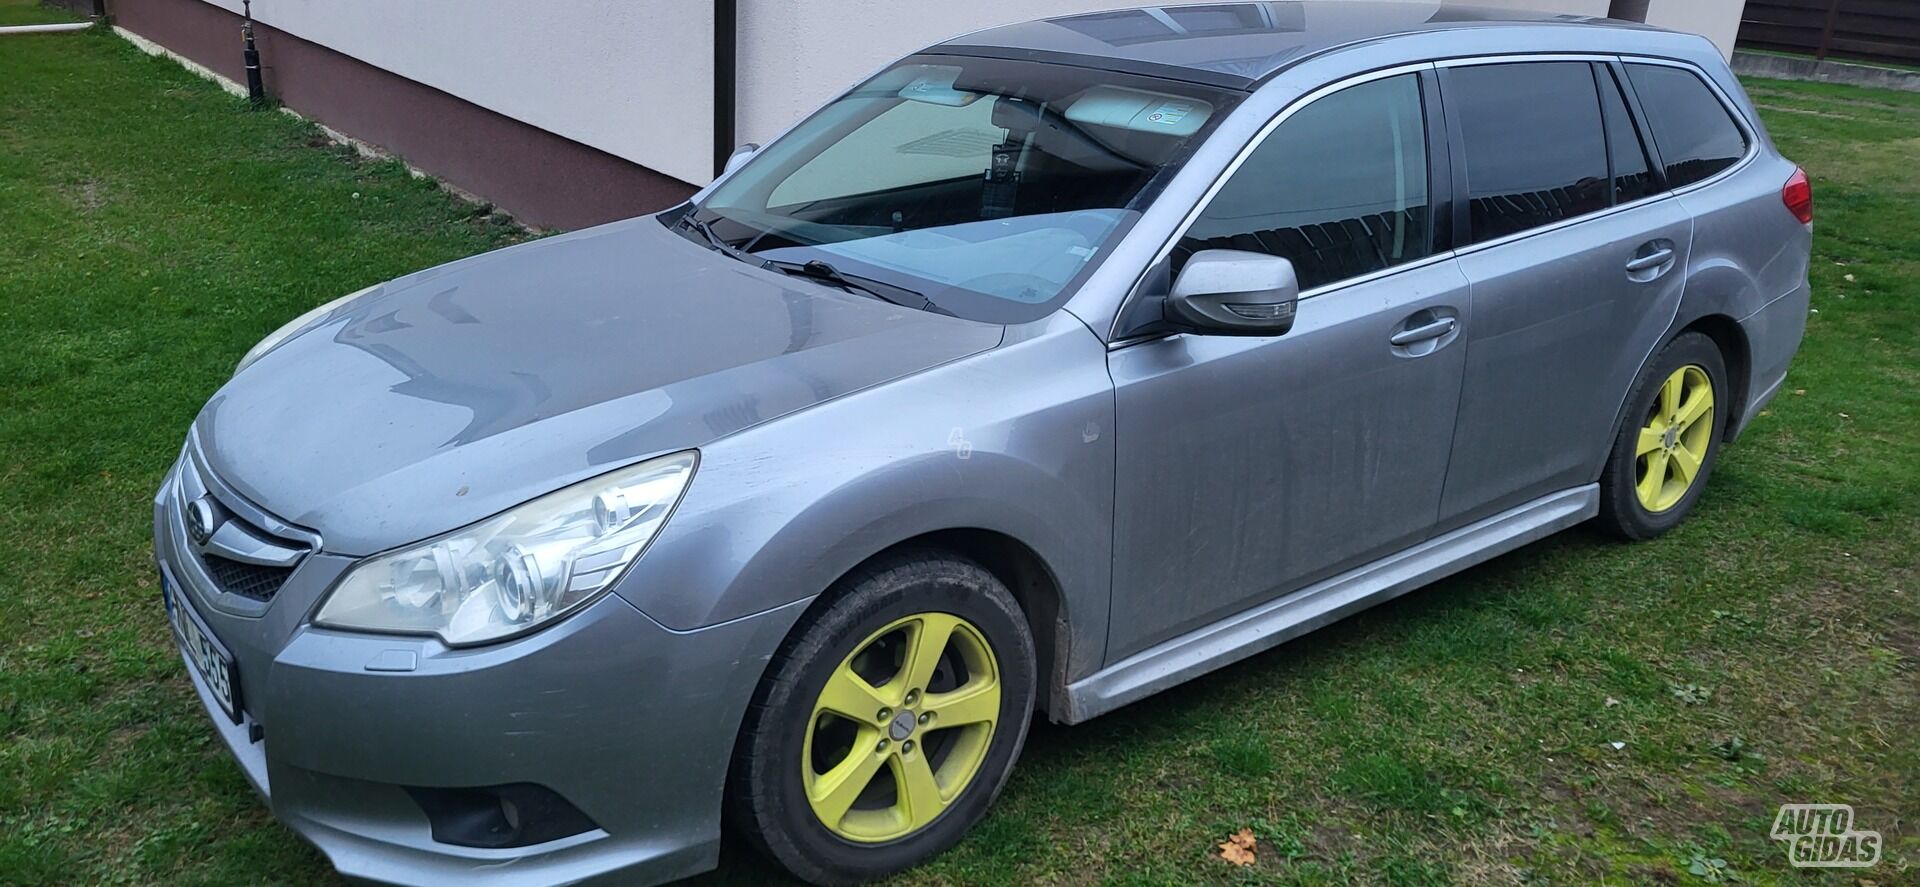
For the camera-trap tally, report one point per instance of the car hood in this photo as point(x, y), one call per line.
point(453, 394)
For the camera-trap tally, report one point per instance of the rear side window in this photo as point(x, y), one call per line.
point(1632, 173)
point(1535, 146)
point(1696, 136)
point(1340, 188)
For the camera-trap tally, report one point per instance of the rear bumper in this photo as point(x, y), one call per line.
point(629, 722)
point(1773, 337)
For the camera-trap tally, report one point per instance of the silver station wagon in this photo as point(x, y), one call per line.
point(1048, 368)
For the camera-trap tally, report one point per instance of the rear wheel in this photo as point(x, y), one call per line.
point(1667, 447)
point(888, 721)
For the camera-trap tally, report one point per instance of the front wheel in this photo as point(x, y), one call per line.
point(887, 723)
point(1667, 446)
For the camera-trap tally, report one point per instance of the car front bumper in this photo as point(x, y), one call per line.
point(631, 723)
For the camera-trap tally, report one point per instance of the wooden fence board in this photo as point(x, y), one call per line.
point(1867, 30)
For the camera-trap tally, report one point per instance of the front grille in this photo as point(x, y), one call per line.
point(243, 551)
point(246, 580)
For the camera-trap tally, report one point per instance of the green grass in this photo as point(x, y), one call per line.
point(28, 12)
point(151, 229)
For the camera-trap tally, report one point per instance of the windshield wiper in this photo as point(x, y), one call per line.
point(886, 292)
point(814, 270)
point(715, 241)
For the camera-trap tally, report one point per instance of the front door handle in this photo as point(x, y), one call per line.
point(1650, 261)
point(1423, 332)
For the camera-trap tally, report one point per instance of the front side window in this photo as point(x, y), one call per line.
point(1696, 136)
point(1536, 149)
point(1339, 188)
point(981, 187)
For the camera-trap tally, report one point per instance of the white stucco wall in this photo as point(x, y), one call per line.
point(1718, 20)
point(633, 78)
point(797, 54)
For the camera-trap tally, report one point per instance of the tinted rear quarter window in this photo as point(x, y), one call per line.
point(1535, 146)
point(1696, 136)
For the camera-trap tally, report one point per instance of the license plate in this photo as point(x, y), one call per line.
point(209, 660)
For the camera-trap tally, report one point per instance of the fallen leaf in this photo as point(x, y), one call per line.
point(1238, 847)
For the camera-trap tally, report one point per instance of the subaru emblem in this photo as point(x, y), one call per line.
point(202, 520)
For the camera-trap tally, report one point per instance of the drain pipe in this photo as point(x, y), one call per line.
point(256, 91)
point(726, 58)
point(45, 29)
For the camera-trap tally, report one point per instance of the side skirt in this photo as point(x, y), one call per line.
point(1270, 624)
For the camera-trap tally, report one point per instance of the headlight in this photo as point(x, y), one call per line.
point(511, 572)
point(296, 325)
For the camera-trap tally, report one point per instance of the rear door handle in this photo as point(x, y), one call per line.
point(1649, 262)
point(1423, 332)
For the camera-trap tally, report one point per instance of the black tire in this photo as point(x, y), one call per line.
point(766, 797)
point(1622, 512)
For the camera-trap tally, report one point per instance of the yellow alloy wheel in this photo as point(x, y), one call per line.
point(901, 727)
point(1674, 441)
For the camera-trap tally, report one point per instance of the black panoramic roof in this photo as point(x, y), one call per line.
point(1234, 45)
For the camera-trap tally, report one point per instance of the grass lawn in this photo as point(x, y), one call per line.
point(27, 12)
point(1578, 712)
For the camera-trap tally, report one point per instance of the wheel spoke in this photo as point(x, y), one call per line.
point(1695, 407)
point(1686, 465)
point(976, 703)
point(833, 793)
point(850, 696)
point(1650, 438)
point(929, 642)
point(1649, 486)
point(919, 791)
point(1670, 395)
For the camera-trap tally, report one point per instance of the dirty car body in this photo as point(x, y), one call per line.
point(1161, 501)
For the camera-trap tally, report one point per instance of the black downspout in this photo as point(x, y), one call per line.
point(256, 91)
point(726, 35)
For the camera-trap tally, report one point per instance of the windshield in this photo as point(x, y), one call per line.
point(985, 188)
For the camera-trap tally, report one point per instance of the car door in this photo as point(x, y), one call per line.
point(1571, 243)
point(1248, 467)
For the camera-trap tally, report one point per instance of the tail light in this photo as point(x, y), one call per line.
point(1799, 197)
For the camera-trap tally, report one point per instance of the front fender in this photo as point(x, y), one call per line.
point(1016, 441)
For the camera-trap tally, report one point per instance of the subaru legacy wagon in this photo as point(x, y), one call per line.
point(1048, 368)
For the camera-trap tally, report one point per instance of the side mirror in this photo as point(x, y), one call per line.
point(1226, 292)
point(740, 156)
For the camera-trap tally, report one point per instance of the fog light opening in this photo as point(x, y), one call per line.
point(521, 814)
